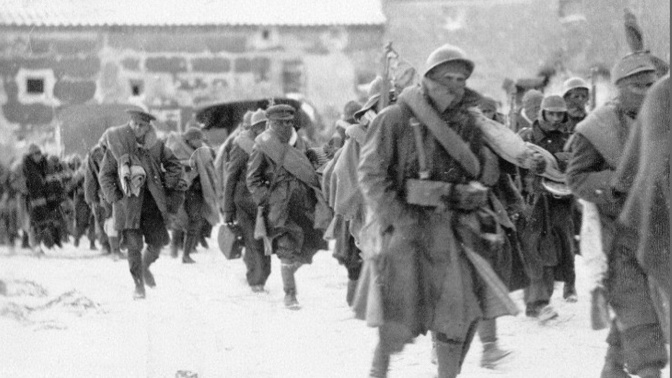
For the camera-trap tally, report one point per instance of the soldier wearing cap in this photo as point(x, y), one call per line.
point(431, 137)
point(548, 231)
point(576, 93)
point(285, 186)
point(238, 204)
point(636, 338)
point(136, 170)
point(222, 156)
point(199, 209)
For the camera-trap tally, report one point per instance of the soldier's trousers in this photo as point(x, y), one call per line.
point(540, 291)
point(257, 263)
point(153, 231)
point(636, 328)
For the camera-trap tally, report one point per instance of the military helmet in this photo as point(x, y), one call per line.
point(573, 83)
point(554, 103)
point(631, 65)
point(448, 53)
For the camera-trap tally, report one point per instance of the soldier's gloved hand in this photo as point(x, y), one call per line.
point(537, 163)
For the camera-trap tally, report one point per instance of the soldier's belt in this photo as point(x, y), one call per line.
point(430, 193)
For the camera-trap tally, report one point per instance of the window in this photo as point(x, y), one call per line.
point(137, 87)
point(265, 34)
point(34, 85)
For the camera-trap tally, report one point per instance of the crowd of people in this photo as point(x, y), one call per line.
point(438, 204)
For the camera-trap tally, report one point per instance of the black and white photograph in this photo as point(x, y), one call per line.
point(335, 188)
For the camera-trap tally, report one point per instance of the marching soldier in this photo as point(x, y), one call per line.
point(136, 170)
point(239, 206)
point(284, 184)
point(636, 337)
point(548, 232)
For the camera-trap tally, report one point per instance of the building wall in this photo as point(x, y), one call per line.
point(175, 70)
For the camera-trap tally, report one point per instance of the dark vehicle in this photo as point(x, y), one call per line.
point(220, 119)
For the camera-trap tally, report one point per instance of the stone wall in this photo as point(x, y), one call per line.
point(174, 70)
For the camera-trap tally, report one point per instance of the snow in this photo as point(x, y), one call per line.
point(71, 314)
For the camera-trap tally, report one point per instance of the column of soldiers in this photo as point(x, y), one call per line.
point(438, 209)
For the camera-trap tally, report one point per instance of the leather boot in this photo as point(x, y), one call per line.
point(146, 273)
point(92, 245)
point(352, 288)
point(114, 248)
point(613, 364)
point(289, 284)
point(189, 246)
point(380, 364)
point(492, 355)
point(448, 355)
point(139, 291)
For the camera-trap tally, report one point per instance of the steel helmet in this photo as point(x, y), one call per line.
point(448, 53)
point(554, 103)
point(631, 65)
point(574, 83)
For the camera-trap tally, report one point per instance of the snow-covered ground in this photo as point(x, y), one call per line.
point(70, 314)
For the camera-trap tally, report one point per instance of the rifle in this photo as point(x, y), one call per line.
point(512, 119)
point(384, 99)
point(593, 88)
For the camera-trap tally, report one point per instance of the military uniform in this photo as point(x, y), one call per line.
point(239, 206)
point(636, 337)
point(283, 182)
point(140, 208)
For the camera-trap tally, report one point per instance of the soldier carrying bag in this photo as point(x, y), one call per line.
point(260, 229)
point(428, 193)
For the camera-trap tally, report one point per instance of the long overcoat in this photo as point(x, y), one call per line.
point(163, 172)
point(426, 281)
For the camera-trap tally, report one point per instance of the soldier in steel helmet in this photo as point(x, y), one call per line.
point(548, 232)
point(426, 244)
point(636, 338)
point(576, 93)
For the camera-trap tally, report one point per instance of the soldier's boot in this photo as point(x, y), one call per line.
point(352, 289)
point(175, 242)
point(569, 293)
point(614, 367)
point(289, 284)
point(448, 356)
point(492, 355)
point(139, 291)
point(147, 260)
point(92, 245)
point(115, 251)
point(381, 363)
point(25, 241)
point(189, 246)
point(136, 272)
point(75, 243)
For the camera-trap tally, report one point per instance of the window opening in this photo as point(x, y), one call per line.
point(35, 85)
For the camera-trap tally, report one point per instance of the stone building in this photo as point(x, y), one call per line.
point(174, 56)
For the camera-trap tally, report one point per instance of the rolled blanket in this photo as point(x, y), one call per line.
point(131, 175)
